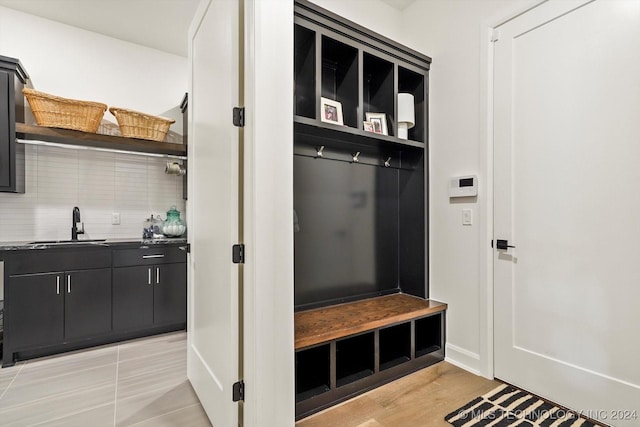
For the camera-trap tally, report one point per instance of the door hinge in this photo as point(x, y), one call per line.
point(495, 35)
point(238, 116)
point(238, 253)
point(238, 391)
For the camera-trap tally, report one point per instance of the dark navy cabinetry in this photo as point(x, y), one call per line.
point(360, 208)
point(12, 79)
point(51, 308)
point(65, 298)
point(152, 294)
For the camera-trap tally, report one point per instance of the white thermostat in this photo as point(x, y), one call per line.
point(463, 186)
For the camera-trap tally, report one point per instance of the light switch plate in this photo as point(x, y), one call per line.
point(115, 218)
point(467, 217)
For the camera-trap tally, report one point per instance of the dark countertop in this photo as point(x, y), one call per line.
point(119, 243)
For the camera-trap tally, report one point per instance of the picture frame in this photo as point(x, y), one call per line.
point(379, 122)
point(367, 126)
point(331, 111)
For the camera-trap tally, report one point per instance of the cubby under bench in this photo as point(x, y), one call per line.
point(347, 349)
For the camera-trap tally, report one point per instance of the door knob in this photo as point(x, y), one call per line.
point(503, 244)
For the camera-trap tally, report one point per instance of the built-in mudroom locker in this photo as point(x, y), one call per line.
point(363, 317)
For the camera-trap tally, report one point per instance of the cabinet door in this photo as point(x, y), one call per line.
point(5, 132)
point(170, 294)
point(133, 297)
point(35, 310)
point(87, 303)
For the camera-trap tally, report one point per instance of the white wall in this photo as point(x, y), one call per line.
point(75, 63)
point(454, 34)
point(373, 14)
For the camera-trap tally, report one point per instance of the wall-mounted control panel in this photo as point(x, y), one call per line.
point(463, 186)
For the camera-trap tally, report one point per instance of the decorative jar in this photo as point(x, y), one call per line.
point(173, 226)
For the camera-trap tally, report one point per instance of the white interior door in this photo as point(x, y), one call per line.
point(214, 194)
point(567, 150)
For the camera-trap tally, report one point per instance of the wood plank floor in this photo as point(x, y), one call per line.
point(420, 399)
point(141, 382)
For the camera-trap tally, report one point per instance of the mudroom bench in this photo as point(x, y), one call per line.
point(347, 349)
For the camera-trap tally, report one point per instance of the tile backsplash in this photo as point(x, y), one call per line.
point(99, 183)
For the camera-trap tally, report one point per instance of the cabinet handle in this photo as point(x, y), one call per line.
point(157, 275)
point(57, 285)
point(152, 256)
point(69, 284)
point(149, 275)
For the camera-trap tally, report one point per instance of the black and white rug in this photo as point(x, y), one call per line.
point(510, 406)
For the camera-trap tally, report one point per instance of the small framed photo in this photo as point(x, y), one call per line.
point(367, 126)
point(331, 111)
point(379, 122)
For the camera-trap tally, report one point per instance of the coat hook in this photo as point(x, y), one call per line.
point(387, 162)
point(319, 151)
point(355, 157)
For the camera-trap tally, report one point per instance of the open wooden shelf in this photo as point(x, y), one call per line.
point(85, 139)
point(329, 323)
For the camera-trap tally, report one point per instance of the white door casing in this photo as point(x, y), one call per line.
point(566, 152)
point(213, 360)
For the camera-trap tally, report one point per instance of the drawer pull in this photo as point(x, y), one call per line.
point(152, 256)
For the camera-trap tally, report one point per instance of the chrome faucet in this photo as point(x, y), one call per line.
point(75, 218)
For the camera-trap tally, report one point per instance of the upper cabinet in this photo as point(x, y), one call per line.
point(360, 74)
point(12, 79)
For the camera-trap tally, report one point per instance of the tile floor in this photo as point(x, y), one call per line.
point(141, 382)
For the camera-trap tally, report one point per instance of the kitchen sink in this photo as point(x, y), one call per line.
point(67, 242)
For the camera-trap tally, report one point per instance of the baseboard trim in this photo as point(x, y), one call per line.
point(463, 358)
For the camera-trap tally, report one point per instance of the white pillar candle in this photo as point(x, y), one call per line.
point(406, 114)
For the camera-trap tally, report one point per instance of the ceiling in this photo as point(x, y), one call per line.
point(398, 4)
point(158, 24)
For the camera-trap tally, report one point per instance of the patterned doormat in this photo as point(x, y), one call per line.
point(510, 406)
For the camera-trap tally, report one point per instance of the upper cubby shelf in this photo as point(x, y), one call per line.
point(94, 140)
point(363, 72)
point(320, 130)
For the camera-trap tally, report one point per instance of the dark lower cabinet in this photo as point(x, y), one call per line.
point(146, 296)
point(54, 308)
point(132, 298)
point(63, 299)
point(170, 294)
point(87, 303)
point(39, 321)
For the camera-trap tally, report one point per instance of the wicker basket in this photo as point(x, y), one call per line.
point(57, 112)
point(139, 125)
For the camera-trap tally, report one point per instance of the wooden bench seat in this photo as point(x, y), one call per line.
point(329, 323)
